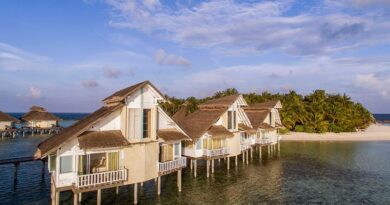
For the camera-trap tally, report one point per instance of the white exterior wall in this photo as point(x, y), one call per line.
point(111, 122)
point(4, 125)
point(193, 152)
point(148, 100)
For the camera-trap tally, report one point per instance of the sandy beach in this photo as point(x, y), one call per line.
point(375, 132)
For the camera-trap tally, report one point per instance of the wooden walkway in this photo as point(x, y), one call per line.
point(16, 162)
point(29, 131)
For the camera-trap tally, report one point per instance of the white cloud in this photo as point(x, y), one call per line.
point(163, 58)
point(34, 93)
point(111, 72)
point(373, 82)
point(251, 27)
point(12, 58)
point(90, 83)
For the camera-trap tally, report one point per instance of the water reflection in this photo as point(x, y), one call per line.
point(306, 173)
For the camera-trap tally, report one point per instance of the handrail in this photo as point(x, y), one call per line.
point(215, 152)
point(171, 165)
point(101, 178)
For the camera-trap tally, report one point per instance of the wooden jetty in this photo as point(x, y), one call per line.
point(16, 162)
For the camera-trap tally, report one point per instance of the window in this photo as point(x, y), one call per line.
point(198, 144)
point(52, 163)
point(177, 149)
point(229, 120)
point(232, 120)
point(66, 164)
point(146, 123)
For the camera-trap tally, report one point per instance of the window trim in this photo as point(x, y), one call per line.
point(71, 164)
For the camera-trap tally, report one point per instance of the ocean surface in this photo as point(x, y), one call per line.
point(304, 173)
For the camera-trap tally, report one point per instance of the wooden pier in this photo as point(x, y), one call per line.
point(29, 131)
point(16, 162)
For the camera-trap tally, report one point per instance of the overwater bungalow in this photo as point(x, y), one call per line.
point(214, 130)
point(128, 141)
point(266, 120)
point(7, 121)
point(39, 117)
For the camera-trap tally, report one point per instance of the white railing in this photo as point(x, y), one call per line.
point(215, 152)
point(94, 179)
point(171, 165)
point(246, 146)
point(269, 139)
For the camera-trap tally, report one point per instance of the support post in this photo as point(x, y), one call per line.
point(117, 190)
point(80, 197)
point(260, 149)
point(243, 157)
point(279, 148)
point(247, 157)
point(236, 161)
point(179, 180)
point(191, 164)
point(251, 153)
point(159, 185)
point(99, 197)
point(195, 166)
point(135, 193)
point(53, 195)
point(208, 168)
point(57, 195)
point(212, 166)
point(228, 163)
point(75, 198)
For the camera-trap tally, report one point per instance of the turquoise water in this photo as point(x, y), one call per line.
point(305, 173)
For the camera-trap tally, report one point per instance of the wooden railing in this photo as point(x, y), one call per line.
point(246, 146)
point(215, 152)
point(270, 139)
point(172, 165)
point(88, 180)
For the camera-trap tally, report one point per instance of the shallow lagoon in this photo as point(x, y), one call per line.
point(305, 173)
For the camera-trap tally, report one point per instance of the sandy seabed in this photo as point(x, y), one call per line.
point(375, 132)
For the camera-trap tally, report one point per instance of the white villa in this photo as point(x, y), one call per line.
point(38, 117)
point(130, 140)
point(266, 120)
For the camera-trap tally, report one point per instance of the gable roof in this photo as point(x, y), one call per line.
point(119, 96)
point(257, 117)
point(246, 128)
point(222, 102)
point(219, 131)
point(171, 134)
point(102, 139)
point(4, 117)
point(197, 123)
point(39, 113)
point(53, 142)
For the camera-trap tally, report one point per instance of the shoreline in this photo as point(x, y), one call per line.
point(375, 132)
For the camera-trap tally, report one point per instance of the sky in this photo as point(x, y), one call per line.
point(69, 55)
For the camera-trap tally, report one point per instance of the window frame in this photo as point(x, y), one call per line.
point(70, 170)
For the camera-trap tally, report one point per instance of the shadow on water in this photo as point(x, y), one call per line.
point(306, 173)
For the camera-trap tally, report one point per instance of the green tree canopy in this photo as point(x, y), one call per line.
point(317, 112)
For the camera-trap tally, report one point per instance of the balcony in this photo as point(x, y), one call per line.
point(164, 167)
point(215, 152)
point(245, 146)
point(101, 178)
point(270, 139)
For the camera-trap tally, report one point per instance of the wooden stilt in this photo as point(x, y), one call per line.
point(228, 163)
point(195, 166)
point(191, 164)
point(159, 185)
point(279, 149)
point(251, 153)
point(208, 168)
point(260, 153)
point(247, 157)
point(57, 195)
point(99, 197)
point(179, 180)
point(219, 162)
point(135, 193)
point(236, 161)
point(53, 195)
point(75, 198)
point(243, 157)
point(80, 197)
point(117, 190)
point(212, 166)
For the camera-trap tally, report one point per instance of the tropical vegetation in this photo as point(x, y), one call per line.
point(317, 112)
